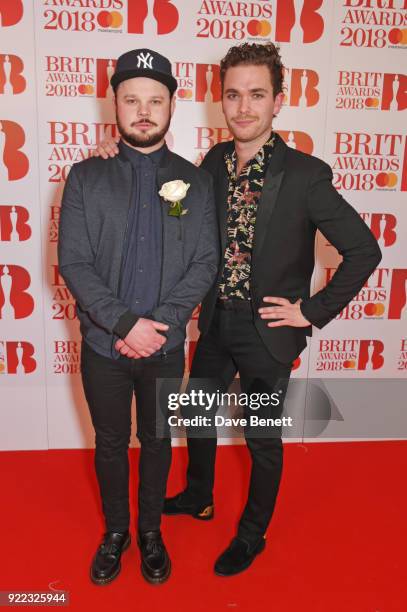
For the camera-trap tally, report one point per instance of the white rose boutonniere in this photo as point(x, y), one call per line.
point(173, 192)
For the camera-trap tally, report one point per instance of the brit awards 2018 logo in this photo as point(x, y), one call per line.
point(14, 223)
point(69, 76)
point(375, 24)
point(383, 296)
point(17, 357)
point(15, 300)
point(198, 82)
point(366, 161)
point(301, 87)
point(73, 141)
point(11, 12)
point(67, 355)
point(63, 306)
point(12, 81)
point(234, 21)
point(371, 91)
point(83, 15)
point(383, 227)
point(78, 76)
point(349, 354)
point(148, 17)
point(299, 21)
point(14, 163)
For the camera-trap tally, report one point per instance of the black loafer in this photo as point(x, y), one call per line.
point(155, 562)
point(106, 562)
point(237, 557)
point(182, 504)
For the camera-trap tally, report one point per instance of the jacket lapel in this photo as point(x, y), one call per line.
point(221, 194)
point(269, 194)
point(172, 226)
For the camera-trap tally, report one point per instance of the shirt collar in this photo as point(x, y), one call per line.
point(261, 157)
point(137, 157)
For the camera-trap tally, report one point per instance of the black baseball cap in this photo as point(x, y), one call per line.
point(144, 63)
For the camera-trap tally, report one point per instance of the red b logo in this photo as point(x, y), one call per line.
point(152, 17)
point(11, 12)
point(17, 357)
point(370, 355)
point(298, 21)
point(15, 301)
point(303, 88)
point(11, 78)
point(208, 83)
point(398, 295)
point(13, 162)
point(394, 92)
point(14, 226)
point(104, 72)
point(298, 140)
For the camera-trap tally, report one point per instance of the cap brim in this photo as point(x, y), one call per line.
point(165, 79)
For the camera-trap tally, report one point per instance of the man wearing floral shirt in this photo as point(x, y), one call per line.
point(270, 201)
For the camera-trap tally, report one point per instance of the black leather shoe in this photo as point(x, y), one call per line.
point(237, 557)
point(182, 504)
point(155, 562)
point(106, 562)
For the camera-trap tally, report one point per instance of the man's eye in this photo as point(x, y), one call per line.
point(130, 101)
point(258, 96)
point(231, 96)
point(156, 102)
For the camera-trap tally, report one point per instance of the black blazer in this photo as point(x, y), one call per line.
point(297, 199)
point(94, 213)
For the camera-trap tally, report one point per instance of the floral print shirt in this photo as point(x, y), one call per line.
point(243, 198)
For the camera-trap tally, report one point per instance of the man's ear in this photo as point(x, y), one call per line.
point(173, 103)
point(278, 102)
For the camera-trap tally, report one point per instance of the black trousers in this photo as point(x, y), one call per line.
point(109, 386)
point(233, 344)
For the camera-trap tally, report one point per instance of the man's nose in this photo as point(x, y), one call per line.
point(244, 105)
point(143, 109)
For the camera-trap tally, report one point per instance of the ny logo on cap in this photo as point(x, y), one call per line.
point(145, 60)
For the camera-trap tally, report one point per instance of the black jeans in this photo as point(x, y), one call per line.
point(109, 386)
point(233, 344)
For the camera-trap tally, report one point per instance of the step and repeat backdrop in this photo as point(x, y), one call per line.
point(346, 99)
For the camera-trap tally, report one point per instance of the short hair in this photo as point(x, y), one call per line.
point(254, 54)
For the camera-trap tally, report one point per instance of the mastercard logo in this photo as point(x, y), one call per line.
point(372, 102)
point(398, 37)
point(185, 94)
point(110, 19)
point(386, 179)
point(258, 28)
point(349, 364)
point(374, 310)
point(86, 90)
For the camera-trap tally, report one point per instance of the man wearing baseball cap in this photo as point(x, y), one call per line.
point(138, 250)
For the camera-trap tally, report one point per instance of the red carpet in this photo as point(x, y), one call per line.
point(337, 542)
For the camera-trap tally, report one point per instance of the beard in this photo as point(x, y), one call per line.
point(144, 140)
